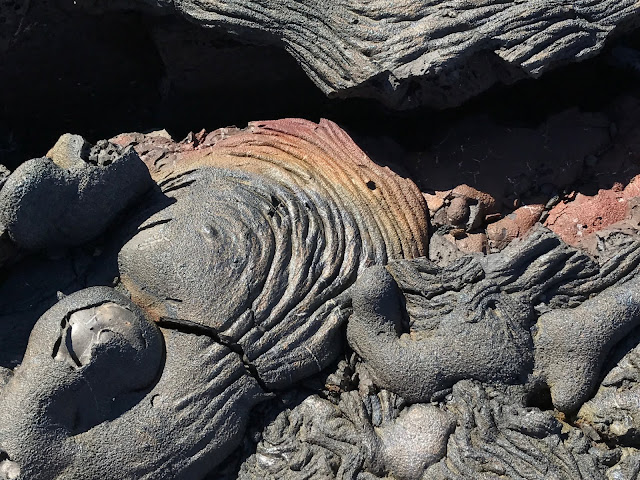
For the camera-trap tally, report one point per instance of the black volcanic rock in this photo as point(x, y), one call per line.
point(66, 199)
point(411, 53)
point(218, 350)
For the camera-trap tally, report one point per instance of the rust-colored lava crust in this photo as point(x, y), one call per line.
point(309, 155)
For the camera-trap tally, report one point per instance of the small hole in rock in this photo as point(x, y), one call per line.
point(540, 398)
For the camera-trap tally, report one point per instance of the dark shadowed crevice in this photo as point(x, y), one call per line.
point(136, 72)
point(69, 72)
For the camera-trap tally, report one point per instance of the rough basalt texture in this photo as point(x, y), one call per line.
point(575, 220)
point(70, 196)
point(416, 52)
point(287, 213)
point(613, 412)
point(600, 323)
point(477, 431)
point(374, 434)
point(497, 436)
point(218, 352)
point(74, 416)
point(483, 328)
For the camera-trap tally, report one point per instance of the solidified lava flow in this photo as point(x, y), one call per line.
point(383, 290)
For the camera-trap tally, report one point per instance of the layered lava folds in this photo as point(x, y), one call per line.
point(265, 232)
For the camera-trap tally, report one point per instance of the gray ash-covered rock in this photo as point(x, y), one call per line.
point(78, 407)
point(374, 435)
point(240, 275)
point(498, 436)
point(572, 345)
point(65, 199)
point(476, 318)
point(614, 412)
point(245, 267)
point(460, 343)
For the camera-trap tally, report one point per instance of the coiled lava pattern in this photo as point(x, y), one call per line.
point(268, 230)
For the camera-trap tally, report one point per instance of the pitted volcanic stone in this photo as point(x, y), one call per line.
point(251, 255)
point(287, 213)
point(128, 408)
point(247, 267)
point(572, 344)
point(473, 319)
point(66, 201)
